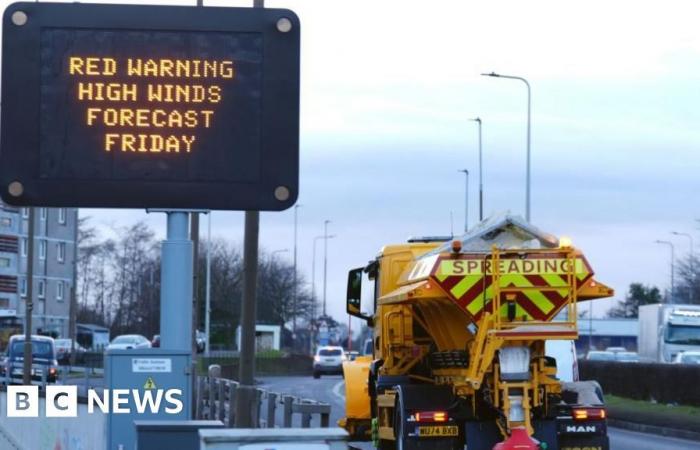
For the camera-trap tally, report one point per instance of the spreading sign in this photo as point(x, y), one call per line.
point(149, 106)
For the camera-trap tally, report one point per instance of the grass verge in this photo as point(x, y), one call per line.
point(637, 411)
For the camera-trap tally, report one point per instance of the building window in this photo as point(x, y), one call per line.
point(42, 213)
point(23, 287)
point(41, 289)
point(4, 303)
point(5, 222)
point(42, 249)
point(60, 289)
point(25, 246)
point(61, 252)
point(62, 216)
point(4, 262)
point(25, 213)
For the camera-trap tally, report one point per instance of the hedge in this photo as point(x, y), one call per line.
point(663, 383)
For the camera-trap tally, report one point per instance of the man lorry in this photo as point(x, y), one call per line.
point(458, 355)
point(666, 330)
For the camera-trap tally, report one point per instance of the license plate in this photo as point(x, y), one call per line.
point(438, 431)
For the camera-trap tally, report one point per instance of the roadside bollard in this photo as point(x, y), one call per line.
point(288, 400)
point(271, 406)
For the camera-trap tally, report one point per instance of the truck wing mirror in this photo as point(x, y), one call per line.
point(353, 301)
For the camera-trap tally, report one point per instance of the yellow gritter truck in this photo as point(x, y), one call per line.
point(458, 352)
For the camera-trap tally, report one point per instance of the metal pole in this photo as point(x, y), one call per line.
point(529, 110)
point(691, 263)
point(325, 262)
point(481, 174)
point(72, 331)
point(194, 237)
point(207, 306)
point(466, 200)
point(313, 271)
point(590, 326)
point(176, 285)
point(481, 181)
point(29, 307)
point(294, 302)
point(673, 258)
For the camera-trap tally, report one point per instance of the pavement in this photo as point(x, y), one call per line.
point(331, 389)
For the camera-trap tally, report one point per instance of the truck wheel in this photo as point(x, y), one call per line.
point(317, 375)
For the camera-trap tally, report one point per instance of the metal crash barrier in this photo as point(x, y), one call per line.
point(216, 400)
point(274, 439)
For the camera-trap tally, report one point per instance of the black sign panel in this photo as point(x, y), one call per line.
point(149, 106)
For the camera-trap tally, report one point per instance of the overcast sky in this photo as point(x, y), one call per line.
point(387, 91)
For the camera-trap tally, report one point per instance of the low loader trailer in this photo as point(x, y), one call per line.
point(458, 350)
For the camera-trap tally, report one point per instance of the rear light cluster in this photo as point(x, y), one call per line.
point(588, 413)
point(431, 416)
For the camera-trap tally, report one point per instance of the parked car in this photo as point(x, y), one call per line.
point(155, 342)
point(598, 355)
point(64, 348)
point(689, 357)
point(329, 360)
point(129, 341)
point(632, 357)
point(44, 363)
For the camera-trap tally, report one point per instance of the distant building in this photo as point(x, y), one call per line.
point(607, 333)
point(267, 337)
point(54, 254)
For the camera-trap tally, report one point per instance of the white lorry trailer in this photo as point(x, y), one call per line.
point(666, 330)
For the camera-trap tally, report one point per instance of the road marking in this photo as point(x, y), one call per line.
point(336, 390)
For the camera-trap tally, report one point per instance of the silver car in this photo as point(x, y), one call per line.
point(329, 360)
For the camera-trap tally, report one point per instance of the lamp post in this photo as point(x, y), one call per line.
point(313, 268)
point(673, 258)
point(529, 104)
point(691, 263)
point(466, 200)
point(481, 174)
point(325, 262)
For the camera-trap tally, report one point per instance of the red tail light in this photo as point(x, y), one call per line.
point(431, 416)
point(588, 413)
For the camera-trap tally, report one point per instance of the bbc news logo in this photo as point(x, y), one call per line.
point(62, 401)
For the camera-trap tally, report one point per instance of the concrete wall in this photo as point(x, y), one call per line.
point(85, 432)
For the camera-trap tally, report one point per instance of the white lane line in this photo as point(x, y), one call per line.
point(336, 390)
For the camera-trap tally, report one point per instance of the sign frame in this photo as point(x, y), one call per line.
point(278, 179)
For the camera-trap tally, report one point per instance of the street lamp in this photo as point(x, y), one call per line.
point(481, 172)
point(282, 250)
point(325, 262)
point(527, 173)
point(313, 267)
point(691, 264)
point(466, 199)
point(673, 257)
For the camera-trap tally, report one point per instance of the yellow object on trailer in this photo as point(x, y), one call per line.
point(459, 342)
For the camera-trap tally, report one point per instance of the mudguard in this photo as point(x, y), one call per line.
point(357, 400)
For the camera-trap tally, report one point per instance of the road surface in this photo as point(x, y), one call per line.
point(331, 389)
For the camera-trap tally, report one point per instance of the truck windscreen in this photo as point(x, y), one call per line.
point(683, 334)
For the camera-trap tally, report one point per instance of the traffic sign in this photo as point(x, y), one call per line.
point(149, 106)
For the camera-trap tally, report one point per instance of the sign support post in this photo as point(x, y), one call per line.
point(176, 285)
point(246, 371)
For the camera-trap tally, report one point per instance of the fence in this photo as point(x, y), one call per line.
point(664, 383)
point(216, 400)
